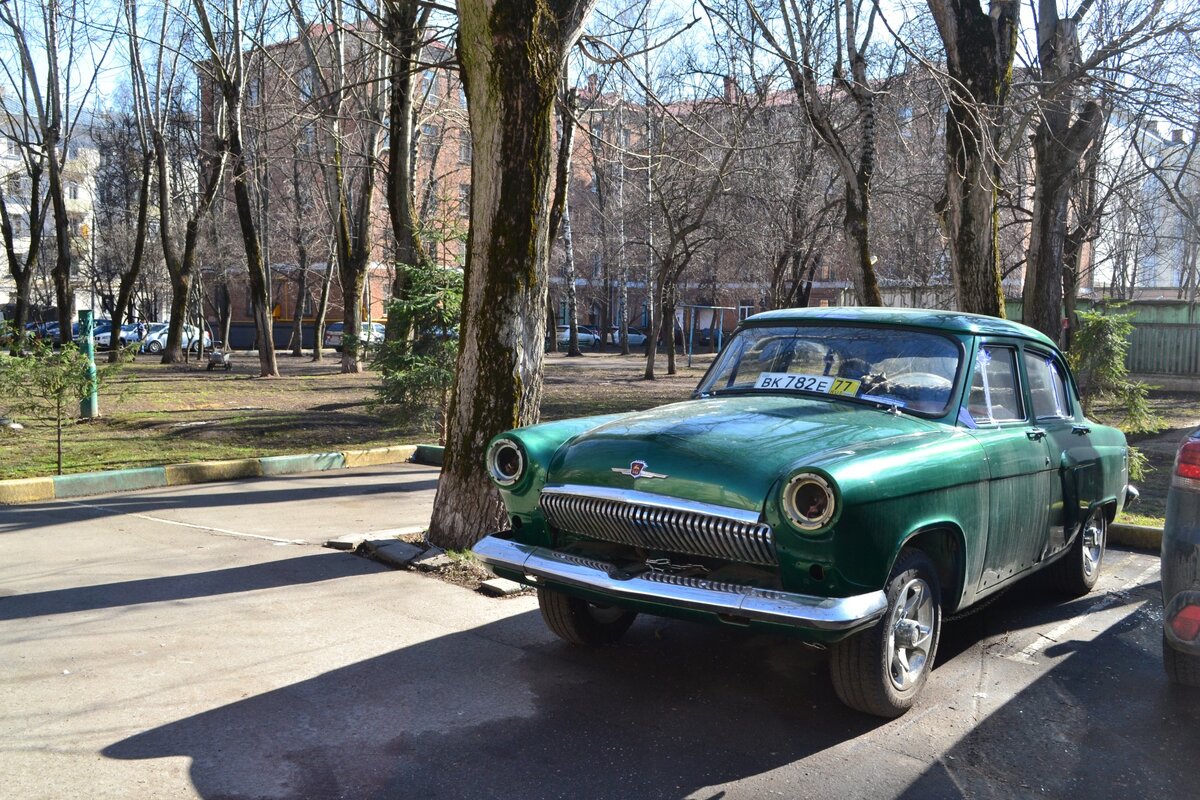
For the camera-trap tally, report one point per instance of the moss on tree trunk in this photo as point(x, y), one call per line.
point(512, 54)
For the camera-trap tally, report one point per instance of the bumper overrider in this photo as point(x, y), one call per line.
point(537, 565)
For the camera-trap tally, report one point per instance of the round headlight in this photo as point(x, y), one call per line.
point(808, 501)
point(505, 462)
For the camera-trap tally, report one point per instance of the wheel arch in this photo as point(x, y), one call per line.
point(945, 545)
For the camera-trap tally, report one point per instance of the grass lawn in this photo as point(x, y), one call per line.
point(154, 414)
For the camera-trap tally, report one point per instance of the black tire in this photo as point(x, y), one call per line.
point(1183, 669)
point(210, 366)
point(154, 347)
point(1076, 573)
point(882, 670)
point(580, 622)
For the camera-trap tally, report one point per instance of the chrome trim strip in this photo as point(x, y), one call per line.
point(802, 611)
point(656, 500)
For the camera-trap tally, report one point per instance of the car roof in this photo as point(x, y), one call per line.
point(951, 321)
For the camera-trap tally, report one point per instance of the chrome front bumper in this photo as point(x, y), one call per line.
point(537, 564)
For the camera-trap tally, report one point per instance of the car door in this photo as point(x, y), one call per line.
point(1076, 462)
point(1018, 464)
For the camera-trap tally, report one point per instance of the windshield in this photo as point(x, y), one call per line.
point(908, 369)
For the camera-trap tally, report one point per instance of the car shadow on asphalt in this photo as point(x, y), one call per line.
point(1103, 722)
point(274, 489)
point(505, 711)
point(314, 568)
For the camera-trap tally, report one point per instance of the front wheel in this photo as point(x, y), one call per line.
point(882, 670)
point(580, 622)
point(1076, 573)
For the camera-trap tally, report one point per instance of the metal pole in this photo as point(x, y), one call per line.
point(89, 407)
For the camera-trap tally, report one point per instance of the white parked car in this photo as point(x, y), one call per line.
point(586, 337)
point(636, 337)
point(129, 333)
point(193, 338)
point(371, 333)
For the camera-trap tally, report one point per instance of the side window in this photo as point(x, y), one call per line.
point(1047, 386)
point(995, 391)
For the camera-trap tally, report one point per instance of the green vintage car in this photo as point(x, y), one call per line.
point(847, 474)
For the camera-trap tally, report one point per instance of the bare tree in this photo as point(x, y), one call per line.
point(52, 94)
point(980, 46)
point(806, 30)
point(511, 60)
point(226, 68)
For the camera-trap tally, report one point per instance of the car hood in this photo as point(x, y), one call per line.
point(727, 451)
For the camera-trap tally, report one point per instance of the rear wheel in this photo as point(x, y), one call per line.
point(1182, 668)
point(882, 670)
point(1076, 573)
point(154, 347)
point(580, 622)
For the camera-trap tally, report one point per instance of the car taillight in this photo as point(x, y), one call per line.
point(1186, 624)
point(1187, 461)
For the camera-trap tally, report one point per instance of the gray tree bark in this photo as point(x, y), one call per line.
point(512, 54)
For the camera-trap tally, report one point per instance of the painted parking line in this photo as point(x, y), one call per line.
point(1058, 632)
point(207, 528)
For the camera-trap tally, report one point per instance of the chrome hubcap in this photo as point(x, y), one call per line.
point(1093, 545)
point(910, 634)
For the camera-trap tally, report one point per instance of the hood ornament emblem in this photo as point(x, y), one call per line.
point(637, 469)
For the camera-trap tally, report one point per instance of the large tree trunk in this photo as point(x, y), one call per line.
point(979, 52)
point(512, 55)
point(1059, 145)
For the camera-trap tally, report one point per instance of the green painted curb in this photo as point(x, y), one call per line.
point(431, 454)
point(1144, 537)
point(305, 462)
point(121, 480)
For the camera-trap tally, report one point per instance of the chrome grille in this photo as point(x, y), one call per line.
point(656, 523)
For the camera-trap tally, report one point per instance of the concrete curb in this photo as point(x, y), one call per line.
point(1143, 537)
point(83, 484)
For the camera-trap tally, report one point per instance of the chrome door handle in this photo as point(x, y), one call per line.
point(1035, 434)
point(1080, 430)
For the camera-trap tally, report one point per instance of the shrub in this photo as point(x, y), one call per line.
point(418, 370)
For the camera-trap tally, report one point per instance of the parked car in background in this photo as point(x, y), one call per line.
point(848, 475)
point(192, 338)
point(637, 337)
point(128, 334)
point(1181, 567)
point(371, 333)
point(587, 338)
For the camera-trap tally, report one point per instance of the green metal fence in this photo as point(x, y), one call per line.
point(1164, 349)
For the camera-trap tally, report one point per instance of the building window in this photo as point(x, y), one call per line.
point(464, 199)
point(73, 190)
point(254, 92)
point(429, 130)
point(464, 152)
point(308, 304)
point(307, 83)
point(13, 184)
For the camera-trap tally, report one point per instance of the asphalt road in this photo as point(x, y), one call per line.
point(197, 642)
